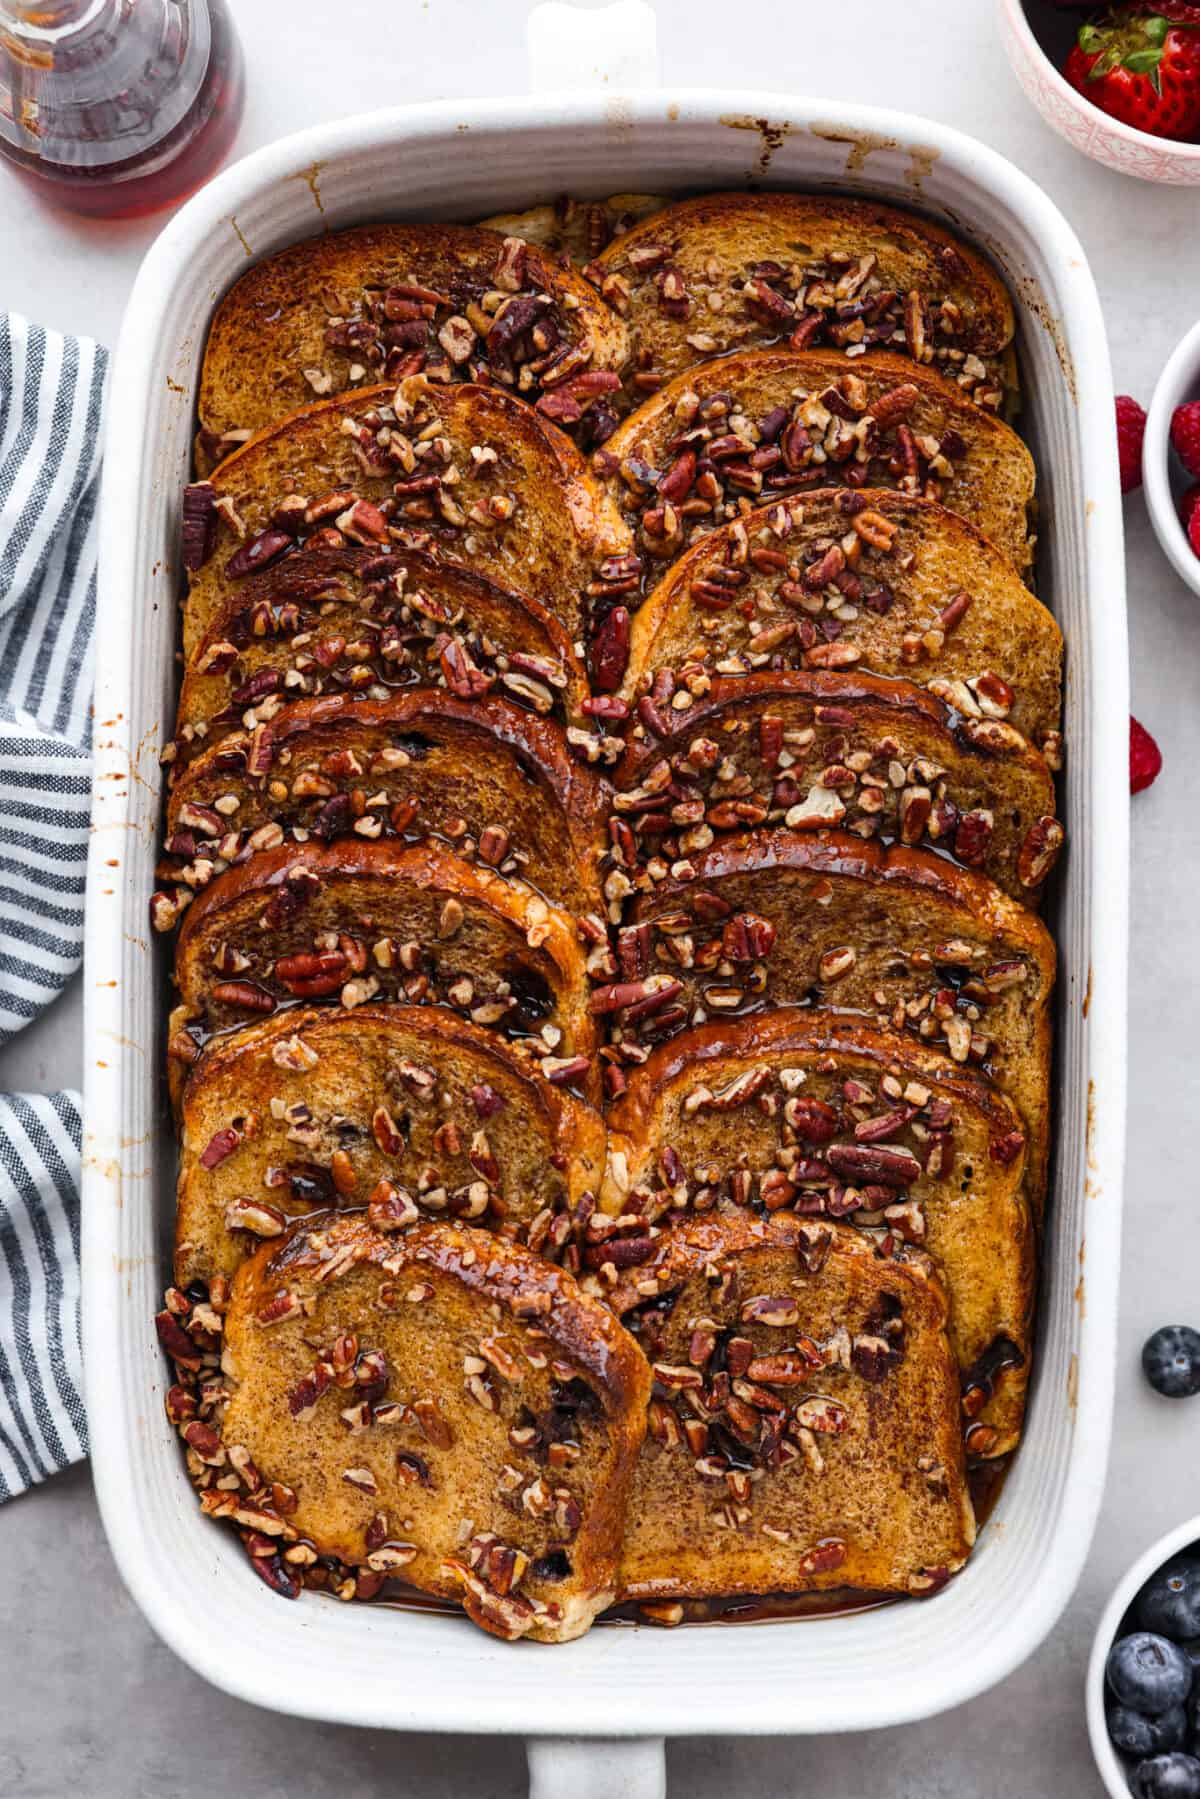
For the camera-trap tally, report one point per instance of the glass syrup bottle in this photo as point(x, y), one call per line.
point(117, 107)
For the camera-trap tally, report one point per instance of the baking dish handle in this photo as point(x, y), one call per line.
point(597, 1768)
point(614, 47)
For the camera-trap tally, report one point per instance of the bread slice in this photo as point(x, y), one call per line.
point(354, 921)
point(576, 230)
point(469, 470)
point(811, 750)
point(782, 421)
point(364, 623)
point(902, 936)
point(440, 1406)
point(804, 1429)
point(403, 1109)
point(496, 784)
point(383, 301)
point(814, 1113)
point(873, 580)
point(735, 271)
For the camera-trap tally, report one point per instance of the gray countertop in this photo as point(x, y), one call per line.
point(90, 1701)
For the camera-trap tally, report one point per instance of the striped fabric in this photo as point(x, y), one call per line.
point(51, 401)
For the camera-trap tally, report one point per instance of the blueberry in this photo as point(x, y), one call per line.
point(1166, 1777)
point(1169, 1603)
point(1171, 1361)
point(1135, 1734)
point(1148, 1674)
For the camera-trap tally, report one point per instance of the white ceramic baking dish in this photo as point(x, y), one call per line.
point(404, 1670)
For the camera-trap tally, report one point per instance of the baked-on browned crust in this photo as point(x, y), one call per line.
point(811, 750)
point(495, 783)
point(786, 1349)
point(902, 936)
point(810, 270)
point(414, 1112)
point(783, 421)
point(355, 921)
point(444, 1406)
point(814, 1113)
point(470, 470)
point(870, 579)
point(382, 301)
point(363, 623)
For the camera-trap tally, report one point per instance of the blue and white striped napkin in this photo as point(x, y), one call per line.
point(51, 400)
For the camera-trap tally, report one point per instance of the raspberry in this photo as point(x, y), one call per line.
point(1131, 428)
point(1185, 435)
point(1145, 757)
point(1189, 515)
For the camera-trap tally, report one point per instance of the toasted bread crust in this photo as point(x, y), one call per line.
point(398, 613)
point(269, 345)
point(904, 914)
point(554, 528)
point(929, 600)
point(414, 1302)
point(311, 1107)
point(797, 743)
point(759, 252)
point(875, 1497)
point(887, 426)
point(965, 1200)
point(465, 923)
point(485, 777)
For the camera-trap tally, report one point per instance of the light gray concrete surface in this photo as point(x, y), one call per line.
point(90, 1703)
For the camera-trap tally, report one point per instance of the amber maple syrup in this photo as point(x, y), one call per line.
point(114, 108)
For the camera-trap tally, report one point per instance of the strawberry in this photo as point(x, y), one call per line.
point(1142, 68)
point(1145, 757)
point(1185, 435)
point(1131, 428)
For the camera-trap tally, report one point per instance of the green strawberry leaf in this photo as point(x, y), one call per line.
point(1105, 63)
point(1143, 62)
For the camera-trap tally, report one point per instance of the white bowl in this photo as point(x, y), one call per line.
point(1089, 130)
point(1163, 475)
point(1109, 1763)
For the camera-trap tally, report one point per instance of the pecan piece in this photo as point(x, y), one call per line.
point(1040, 851)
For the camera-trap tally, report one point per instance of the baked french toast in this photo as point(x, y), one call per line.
point(735, 271)
point(763, 426)
point(363, 624)
point(804, 1427)
point(441, 1406)
point(403, 1111)
point(380, 302)
point(492, 782)
point(810, 751)
point(470, 471)
point(354, 921)
point(814, 1113)
point(869, 580)
point(901, 936)
point(610, 801)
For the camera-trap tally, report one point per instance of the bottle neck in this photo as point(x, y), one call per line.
point(85, 83)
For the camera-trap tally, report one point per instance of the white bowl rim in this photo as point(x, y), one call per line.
point(1108, 1762)
point(1179, 376)
point(1018, 19)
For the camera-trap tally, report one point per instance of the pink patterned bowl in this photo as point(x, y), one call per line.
point(1117, 146)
